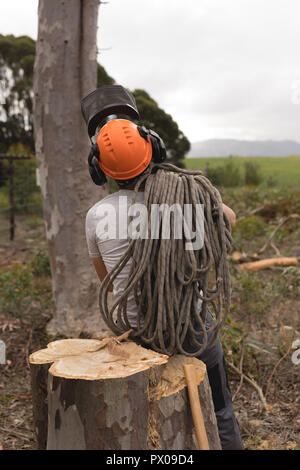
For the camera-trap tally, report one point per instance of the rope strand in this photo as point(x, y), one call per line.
point(167, 279)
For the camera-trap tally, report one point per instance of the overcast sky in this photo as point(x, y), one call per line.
point(221, 68)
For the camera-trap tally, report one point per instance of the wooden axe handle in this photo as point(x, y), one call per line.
point(191, 379)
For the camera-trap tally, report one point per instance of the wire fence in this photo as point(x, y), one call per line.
point(12, 191)
point(35, 209)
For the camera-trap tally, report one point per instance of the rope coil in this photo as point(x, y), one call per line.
point(167, 279)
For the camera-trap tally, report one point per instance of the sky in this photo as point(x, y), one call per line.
point(221, 68)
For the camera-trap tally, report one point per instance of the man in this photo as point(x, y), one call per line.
point(125, 154)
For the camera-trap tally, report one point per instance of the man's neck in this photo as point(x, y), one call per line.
point(132, 186)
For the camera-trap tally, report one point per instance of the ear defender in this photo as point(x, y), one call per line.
point(96, 173)
point(156, 152)
point(114, 100)
point(159, 153)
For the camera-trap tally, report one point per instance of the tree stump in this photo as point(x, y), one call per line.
point(95, 395)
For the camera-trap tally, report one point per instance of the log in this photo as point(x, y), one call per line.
point(92, 395)
point(268, 263)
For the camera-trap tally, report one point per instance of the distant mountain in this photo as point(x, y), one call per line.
point(244, 148)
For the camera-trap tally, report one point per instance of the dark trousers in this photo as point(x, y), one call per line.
point(216, 370)
point(213, 358)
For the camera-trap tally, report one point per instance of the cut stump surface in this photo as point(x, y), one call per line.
point(90, 394)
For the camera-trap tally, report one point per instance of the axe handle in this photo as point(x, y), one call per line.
point(191, 379)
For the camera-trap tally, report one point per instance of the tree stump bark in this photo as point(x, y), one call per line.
point(95, 395)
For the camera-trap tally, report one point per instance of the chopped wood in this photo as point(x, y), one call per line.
point(101, 395)
point(87, 360)
point(268, 263)
point(243, 257)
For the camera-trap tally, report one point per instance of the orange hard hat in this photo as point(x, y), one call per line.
point(124, 153)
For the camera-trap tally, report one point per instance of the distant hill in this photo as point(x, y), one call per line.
point(244, 148)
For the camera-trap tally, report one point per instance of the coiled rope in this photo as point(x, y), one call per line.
point(167, 279)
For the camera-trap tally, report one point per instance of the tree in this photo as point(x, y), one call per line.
point(16, 60)
point(65, 71)
point(103, 78)
point(16, 75)
point(157, 119)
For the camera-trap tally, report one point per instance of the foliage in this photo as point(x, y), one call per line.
point(16, 72)
point(157, 119)
point(25, 182)
point(289, 284)
point(233, 339)
point(25, 187)
point(4, 202)
point(254, 294)
point(227, 175)
point(16, 290)
point(34, 222)
point(231, 174)
point(153, 117)
point(40, 264)
point(248, 229)
point(103, 78)
point(252, 175)
point(17, 59)
point(274, 171)
point(22, 291)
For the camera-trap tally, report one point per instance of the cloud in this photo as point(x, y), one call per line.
point(220, 67)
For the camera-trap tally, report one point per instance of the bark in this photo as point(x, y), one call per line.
point(65, 71)
point(119, 398)
point(39, 377)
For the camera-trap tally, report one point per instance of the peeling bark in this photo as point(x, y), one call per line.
point(65, 71)
point(39, 377)
point(128, 398)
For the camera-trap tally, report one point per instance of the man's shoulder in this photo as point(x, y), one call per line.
point(110, 199)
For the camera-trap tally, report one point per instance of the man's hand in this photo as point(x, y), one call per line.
point(230, 214)
point(101, 269)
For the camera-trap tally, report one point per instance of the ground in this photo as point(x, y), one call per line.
point(263, 323)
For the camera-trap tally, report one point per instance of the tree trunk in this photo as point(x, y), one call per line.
point(65, 71)
point(120, 397)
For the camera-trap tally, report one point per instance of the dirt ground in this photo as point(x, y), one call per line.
point(264, 323)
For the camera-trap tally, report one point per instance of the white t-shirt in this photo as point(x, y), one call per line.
point(107, 236)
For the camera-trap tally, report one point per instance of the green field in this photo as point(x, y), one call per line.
point(282, 170)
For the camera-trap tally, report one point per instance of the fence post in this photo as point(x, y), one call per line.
point(11, 199)
point(12, 207)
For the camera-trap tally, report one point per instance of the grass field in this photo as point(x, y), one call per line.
point(280, 170)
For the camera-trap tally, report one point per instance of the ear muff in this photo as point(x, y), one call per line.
point(159, 153)
point(158, 147)
point(96, 173)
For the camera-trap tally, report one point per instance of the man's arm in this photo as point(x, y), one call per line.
point(101, 269)
point(230, 214)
